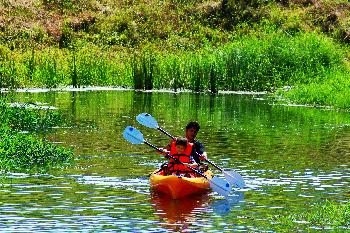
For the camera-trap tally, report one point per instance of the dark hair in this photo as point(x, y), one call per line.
point(181, 141)
point(193, 124)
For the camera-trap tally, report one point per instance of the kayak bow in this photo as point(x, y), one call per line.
point(179, 186)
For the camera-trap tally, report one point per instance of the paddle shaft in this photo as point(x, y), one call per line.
point(178, 161)
point(166, 133)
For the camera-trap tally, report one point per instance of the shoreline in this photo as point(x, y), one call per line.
point(111, 88)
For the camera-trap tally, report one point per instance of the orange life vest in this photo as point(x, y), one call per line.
point(176, 167)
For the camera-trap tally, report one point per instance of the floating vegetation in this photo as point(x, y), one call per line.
point(21, 150)
point(27, 153)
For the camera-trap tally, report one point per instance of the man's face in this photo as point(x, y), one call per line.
point(191, 134)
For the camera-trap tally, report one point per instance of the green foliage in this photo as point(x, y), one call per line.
point(58, 3)
point(330, 215)
point(143, 71)
point(239, 10)
point(25, 153)
point(333, 90)
point(67, 5)
point(250, 63)
point(28, 117)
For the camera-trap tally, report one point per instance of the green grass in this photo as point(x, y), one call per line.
point(332, 91)
point(250, 63)
point(334, 217)
point(29, 117)
point(27, 153)
point(195, 45)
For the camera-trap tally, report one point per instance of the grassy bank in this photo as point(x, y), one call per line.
point(21, 149)
point(196, 45)
point(330, 216)
point(331, 91)
point(249, 63)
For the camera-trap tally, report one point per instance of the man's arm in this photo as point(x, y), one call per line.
point(199, 148)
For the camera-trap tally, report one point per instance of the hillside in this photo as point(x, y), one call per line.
point(169, 24)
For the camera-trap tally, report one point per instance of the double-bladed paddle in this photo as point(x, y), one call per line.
point(233, 178)
point(217, 184)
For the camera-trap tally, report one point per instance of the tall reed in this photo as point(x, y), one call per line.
point(245, 64)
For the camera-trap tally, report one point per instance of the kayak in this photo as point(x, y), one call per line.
point(179, 186)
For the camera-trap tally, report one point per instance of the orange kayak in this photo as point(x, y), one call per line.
point(179, 186)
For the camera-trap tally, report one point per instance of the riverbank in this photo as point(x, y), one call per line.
point(201, 46)
point(312, 64)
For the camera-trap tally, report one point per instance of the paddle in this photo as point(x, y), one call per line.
point(232, 177)
point(217, 184)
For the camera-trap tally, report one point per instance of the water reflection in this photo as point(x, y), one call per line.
point(179, 214)
point(224, 206)
point(183, 214)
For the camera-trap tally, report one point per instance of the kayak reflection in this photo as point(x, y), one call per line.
point(178, 209)
point(181, 214)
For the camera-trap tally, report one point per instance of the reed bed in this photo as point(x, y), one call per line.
point(251, 64)
point(332, 91)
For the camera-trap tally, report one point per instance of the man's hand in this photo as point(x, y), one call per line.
point(203, 156)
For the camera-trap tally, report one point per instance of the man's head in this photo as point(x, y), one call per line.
point(192, 129)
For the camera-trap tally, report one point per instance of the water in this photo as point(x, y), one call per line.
point(290, 157)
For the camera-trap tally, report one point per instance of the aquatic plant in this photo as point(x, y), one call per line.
point(21, 150)
point(28, 116)
point(26, 153)
point(331, 91)
point(261, 62)
point(250, 63)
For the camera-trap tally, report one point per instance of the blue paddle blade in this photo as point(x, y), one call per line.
point(147, 120)
point(133, 135)
point(220, 186)
point(234, 178)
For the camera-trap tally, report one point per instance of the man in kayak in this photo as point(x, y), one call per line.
point(198, 153)
point(192, 129)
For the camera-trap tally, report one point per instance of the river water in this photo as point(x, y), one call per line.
point(291, 158)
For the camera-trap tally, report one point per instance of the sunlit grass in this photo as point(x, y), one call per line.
point(309, 62)
point(329, 215)
point(331, 91)
point(249, 63)
point(27, 153)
